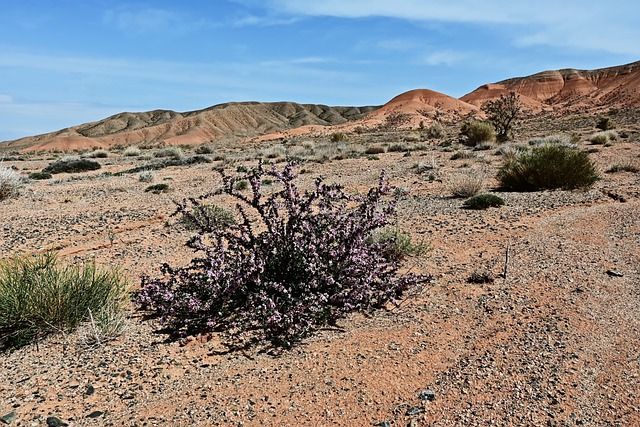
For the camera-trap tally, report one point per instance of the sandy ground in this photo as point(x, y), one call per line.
point(556, 343)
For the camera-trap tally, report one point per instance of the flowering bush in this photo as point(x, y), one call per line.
point(307, 262)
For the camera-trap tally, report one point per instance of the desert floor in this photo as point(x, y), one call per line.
point(556, 342)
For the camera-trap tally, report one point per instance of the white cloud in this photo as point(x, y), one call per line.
point(444, 57)
point(152, 20)
point(586, 24)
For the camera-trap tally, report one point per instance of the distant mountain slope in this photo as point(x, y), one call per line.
point(614, 87)
point(236, 120)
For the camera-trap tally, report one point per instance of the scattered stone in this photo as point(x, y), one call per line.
point(383, 424)
point(8, 419)
point(95, 414)
point(614, 273)
point(90, 390)
point(428, 395)
point(55, 422)
point(414, 411)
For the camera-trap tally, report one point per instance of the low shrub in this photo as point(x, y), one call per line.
point(475, 132)
point(208, 216)
point(39, 295)
point(338, 136)
point(375, 149)
point(483, 201)
point(10, 183)
point(549, 167)
point(97, 154)
point(146, 176)
point(628, 166)
point(436, 131)
point(71, 165)
point(604, 137)
point(605, 123)
point(39, 175)
point(463, 155)
point(157, 188)
point(398, 245)
point(467, 183)
point(131, 151)
point(171, 151)
point(204, 149)
point(295, 263)
point(186, 161)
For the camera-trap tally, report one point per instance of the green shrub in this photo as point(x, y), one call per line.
point(39, 175)
point(71, 165)
point(204, 149)
point(398, 245)
point(157, 188)
point(475, 132)
point(338, 136)
point(10, 183)
point(605, 123)
point(208, 215)
point(628, 166)
point(39, 296)
point(483, 201)
point(99, 154)
point(436, 131)
point(549, 167)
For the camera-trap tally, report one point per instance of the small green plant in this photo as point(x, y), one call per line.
point(483, 201)
point(157, 188)
point(436, 131)
point(131, 151)
point(628, 166)
point(39, 175)
point(204, 149)
point(605, 123)
point(242, 185)
point(146, 176)
point(40, 295)
point(398, 245)
point(338, 136)
point(476, 132)
point(549, 167)
point(71, 165)
point(206, 216)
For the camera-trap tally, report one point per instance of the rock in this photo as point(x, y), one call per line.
point(414, 411)
point(55, 422)
point(428, 395)
point(7, 419)
point(95, 414)
point(614, 273)
point(383, 424)
point(90, 390)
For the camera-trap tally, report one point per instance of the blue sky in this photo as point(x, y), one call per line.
point(67, 62)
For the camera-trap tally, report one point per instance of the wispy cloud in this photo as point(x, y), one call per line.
point(445, 57)
point(605, 26)
point(151, 20)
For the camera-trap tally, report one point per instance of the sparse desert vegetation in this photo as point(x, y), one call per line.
point(309, 294)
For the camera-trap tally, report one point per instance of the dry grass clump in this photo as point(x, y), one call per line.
point(146, 176)
point(276, 152)
point(171, 151)
point(467, 183)
point(603, 138)
point(10, 183)
point(132, 151)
